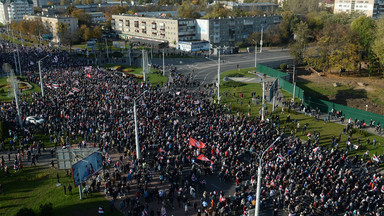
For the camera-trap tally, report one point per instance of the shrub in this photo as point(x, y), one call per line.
point(283, 66)
point(25, 212)
point(46, 209)
point(236, 75)
point(233, 84)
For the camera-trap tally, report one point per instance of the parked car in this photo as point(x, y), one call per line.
point(34, 120)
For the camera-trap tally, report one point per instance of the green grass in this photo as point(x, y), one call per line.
point(37, 185)
point(288, 96)
point(326, 130)
point(5, 85)
point(320, 90)
point(153, 77)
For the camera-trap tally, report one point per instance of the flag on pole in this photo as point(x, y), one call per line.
point(316, 149)
point(196, 143)
point(281, 157)
point(203, 158)
point(375, 158)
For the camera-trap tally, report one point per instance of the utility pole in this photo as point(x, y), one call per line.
point(18, 57)
point(256, 57)
point(218, 78)
point(41, 76)
point(144, 64)
point(163, 64)
point(294, 83)
point(263, 101)
point(15, 59)
point(15, 87)
point(261, 39)
point(138, 153)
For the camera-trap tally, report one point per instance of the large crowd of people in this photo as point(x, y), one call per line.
point(84, 103)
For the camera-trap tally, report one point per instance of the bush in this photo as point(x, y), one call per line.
point(117, 54)
point(46, 209)
point(283, 66)
point(25, 212)
point(235, 75)
point(233, 84)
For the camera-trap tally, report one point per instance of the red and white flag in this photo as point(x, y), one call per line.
point(222, 199)
point(203, 158)
point(281, 157)
point(88, 68)
point(196, 102)
point(382, 189)
point(55, 59)
point(196, 143)
point(71, 93)
point(55, 86)
point(75, 89)
point(161, 150)
point(89, 75)
point(355, 146)
point(375, 158)
point(48, 86)
point(316, 149)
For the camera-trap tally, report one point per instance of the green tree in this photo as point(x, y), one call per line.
point(364, 27)
point(254, 38)
point(187, 10)
point(97, 32)
point(287, 25)
point(378, 44)
point(83, 18)
point(217, 10)
point(301, 37)
point(301, 6)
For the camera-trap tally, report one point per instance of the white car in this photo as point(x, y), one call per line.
point(34, 120)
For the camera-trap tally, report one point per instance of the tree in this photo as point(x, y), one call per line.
point(301, 36)
point(254, 38)
point(187, 10)
point(65, 2)
point(364, 27)
point(287, 25)
point(216, 11)
point(97, 32)
point(301, 6)
point(25, 212)
point(70, 9)
point(88, 34)
point(273, 35)
point(378, 44)
point(83, 18)
point(109, 11)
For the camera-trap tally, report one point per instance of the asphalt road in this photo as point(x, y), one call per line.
point(205, 70)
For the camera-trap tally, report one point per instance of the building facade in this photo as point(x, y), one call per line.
point(52, 21)
point(40, 3)
point(13, 11)
point(218, 32)
point(348, 6)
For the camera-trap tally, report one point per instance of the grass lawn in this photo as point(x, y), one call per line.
point(5, 85)
point(152, 77)
point(37, 185)
point(327, 130)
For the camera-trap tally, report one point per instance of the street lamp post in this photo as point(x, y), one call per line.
point(218, 79)
point(261, 39)
point(41, 77)
point(106, 44)
point(163, 64)
point(138, 153)
point(263, 99)
point(259, 173)
point(256, 57)
point(294, 84)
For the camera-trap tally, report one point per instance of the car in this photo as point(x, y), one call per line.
point(34, 120)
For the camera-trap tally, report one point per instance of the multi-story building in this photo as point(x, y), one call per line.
point(40, 3)
point(220, 31)
point(228, 31)
point(52, 23)
point(348, 6)
point(265, 6)
point(14, 10)
point(152, 28)
point(378, 10)
point(97, 17)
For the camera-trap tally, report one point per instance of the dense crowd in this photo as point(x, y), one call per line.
point(84, 103)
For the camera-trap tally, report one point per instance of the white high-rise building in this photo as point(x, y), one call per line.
point(14, 10)
point(348, 6)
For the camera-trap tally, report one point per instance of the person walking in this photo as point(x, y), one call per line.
point(69, 189)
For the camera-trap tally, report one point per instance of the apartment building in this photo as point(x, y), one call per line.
point(52, 21)
point(14, 10)
point(228, 31)
point(39, 3)
point(169, 30)
point(348, 6)
point(220, 31)
point(378, 10)
point(265, 6)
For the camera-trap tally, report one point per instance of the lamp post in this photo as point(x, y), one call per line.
point(256, 57)
point(294, 83)
point(218, 75)
point(138, 155)
point(106, 44)
point(261, 39)
point(163, 64)
point(41, 77)
point(263, 99)
point(259, 173)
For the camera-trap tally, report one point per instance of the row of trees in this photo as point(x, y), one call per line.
point(32, 28)
point(338, 42)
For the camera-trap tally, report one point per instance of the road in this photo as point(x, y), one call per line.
point(205, 70)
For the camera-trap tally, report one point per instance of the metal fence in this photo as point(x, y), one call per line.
point(324, 106)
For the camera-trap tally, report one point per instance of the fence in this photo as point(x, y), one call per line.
point(324, 106)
